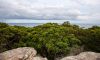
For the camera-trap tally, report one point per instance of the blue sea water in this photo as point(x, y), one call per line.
point(36, 24)
point(32, 23)
point(25, 24)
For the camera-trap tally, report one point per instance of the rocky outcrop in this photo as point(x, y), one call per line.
point(28, 53)
point(84, 56)
point(25, 53)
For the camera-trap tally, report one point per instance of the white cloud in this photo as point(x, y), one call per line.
point(91, 2)
point(50, 9)
point(83, 17)
point(22, 9)
point(93, 19)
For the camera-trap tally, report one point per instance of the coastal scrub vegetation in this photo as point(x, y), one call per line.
point(51, 40)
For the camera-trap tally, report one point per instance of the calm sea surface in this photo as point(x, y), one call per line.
point(32, 23)
point(36, 24)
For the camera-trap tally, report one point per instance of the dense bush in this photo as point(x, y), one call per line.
point(51, 40)
point(9, 37)
point(3, 25)
point(93, 42)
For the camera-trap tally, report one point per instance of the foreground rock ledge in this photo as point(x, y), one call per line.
point(84, 56)
point(28, 53)
point(25, 53)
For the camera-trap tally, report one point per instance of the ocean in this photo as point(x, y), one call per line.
point(25, 24)
point(36, 24)
point(32, 23)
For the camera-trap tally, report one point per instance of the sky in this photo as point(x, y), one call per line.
point(86, 11)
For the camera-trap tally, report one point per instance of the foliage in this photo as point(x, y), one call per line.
point(3, 25)
point(51, 40)
point(93, 42)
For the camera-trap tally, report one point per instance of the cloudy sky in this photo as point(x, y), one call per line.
point(59, 10)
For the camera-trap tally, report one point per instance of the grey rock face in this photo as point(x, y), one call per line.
point(84, 56)
point(25, 53)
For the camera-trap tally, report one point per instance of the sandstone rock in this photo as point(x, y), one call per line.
point(25, 53)
point(39, 58)
point(84, 56)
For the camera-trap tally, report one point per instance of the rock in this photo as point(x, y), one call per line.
point(25, 53)
point(84, 56)
point(39, 58)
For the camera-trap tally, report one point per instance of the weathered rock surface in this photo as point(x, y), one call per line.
point(84, 56)
point(28, 53)
point(25, 53)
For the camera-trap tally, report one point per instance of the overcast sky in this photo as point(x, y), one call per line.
point(72, 10)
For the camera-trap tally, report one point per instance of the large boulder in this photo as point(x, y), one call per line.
point(84, 56)
point(25, 53)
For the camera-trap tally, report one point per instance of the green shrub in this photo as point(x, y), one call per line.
point(51, 40)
